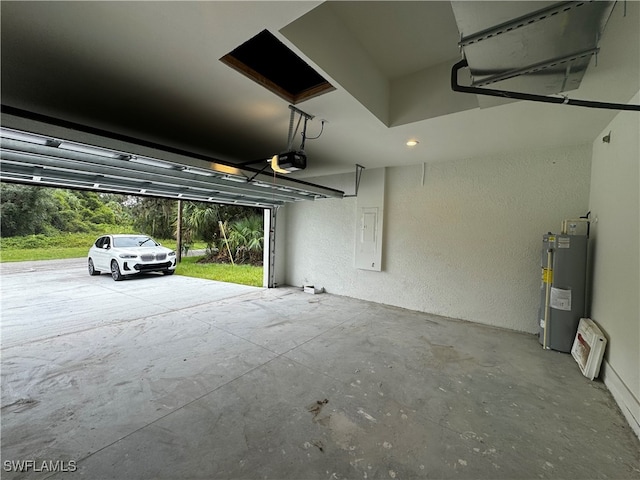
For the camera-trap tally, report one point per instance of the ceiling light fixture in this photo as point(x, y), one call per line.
point(412, 143)
point(275, 166)
point(219, 168)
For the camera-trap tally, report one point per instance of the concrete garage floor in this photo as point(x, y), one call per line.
point(177, 378)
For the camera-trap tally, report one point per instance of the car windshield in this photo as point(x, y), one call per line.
point(133, 241)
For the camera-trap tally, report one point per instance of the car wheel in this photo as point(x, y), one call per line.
point(115, 271)
point(92, 268)
point(168, 272)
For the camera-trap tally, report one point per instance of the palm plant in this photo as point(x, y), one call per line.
point(243, 228)
point(201, 221)
point(246, 239)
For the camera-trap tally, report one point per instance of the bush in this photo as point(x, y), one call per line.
point(29, 209)
point(58, 239)
point(25, 209)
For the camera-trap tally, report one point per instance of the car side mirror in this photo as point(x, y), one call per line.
point(106, 247)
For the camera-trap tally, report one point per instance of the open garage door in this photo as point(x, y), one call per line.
point(50, 155)
point(78, 157)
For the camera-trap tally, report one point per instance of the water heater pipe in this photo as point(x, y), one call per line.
point(565, 224)
point(545, 343)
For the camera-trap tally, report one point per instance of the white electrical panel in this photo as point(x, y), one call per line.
point(368, 233)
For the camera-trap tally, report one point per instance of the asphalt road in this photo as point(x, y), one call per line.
point(44, 299)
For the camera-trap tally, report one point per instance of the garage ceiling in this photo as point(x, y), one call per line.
point(150, 72)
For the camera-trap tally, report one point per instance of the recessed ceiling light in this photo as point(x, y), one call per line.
point(412, 143)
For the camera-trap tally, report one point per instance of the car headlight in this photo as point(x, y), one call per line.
point(127, 255)
point(171, 254)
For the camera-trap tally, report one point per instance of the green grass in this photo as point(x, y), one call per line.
point(46, 247)
point(49, 253)
point(241, 274)
point(63, 245)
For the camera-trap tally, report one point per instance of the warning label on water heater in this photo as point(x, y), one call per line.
point(560, 299)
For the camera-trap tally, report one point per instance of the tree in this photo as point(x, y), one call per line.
point(25, 209)
point(200, 221)
point(78, 211)
point(30, 209)
point(120, 206)
point(154, 216)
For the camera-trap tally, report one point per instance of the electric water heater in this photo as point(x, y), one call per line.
point(563, 288)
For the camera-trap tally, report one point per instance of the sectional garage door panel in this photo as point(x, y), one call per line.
point(38, 159)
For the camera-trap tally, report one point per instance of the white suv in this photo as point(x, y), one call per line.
point(124, 255)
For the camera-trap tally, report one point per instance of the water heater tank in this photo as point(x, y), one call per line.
point(563, 288)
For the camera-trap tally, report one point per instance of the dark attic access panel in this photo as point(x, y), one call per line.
point(269, 62)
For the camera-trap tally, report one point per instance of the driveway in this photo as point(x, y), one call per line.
point(46, 299)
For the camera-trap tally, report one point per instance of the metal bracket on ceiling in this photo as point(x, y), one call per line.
point(359, 169)
point(456, 87)
point(532, 69)
point(292, 133)
point(520, 22)
point(290, 138)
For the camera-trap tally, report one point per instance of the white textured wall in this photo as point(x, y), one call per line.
point(465, 244)
point(615, 201)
